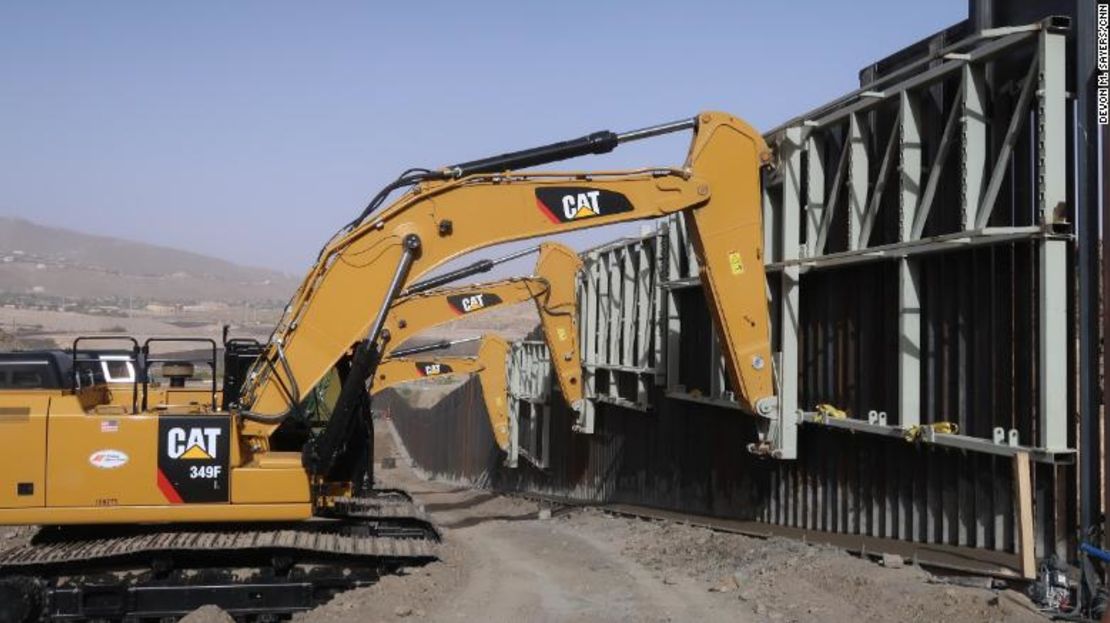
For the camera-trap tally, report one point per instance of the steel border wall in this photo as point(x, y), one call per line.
point(918, 243)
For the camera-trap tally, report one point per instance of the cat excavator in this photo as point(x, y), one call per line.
point(552, 288)
point(489, 364)
point(424, 306)
point(154, 510)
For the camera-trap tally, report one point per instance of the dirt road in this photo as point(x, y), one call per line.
point(501, 562)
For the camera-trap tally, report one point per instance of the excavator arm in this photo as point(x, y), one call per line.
point(337, 313)
point(489, 364)
point(552, 289)
point(559, 317)
point(414, 314)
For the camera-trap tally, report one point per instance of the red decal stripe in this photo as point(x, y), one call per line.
point(167, 489)
point(547, 212)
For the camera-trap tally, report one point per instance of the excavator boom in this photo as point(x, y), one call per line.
point(552, 289)
point(340, 307)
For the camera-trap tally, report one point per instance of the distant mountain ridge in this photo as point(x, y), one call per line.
point(54, 261)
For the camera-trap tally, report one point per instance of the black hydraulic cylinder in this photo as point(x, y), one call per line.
point(423, 348)
point(319, 454)
point(596, 143)
point(481, 266)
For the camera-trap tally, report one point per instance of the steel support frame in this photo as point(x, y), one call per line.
point(531, 382)
point(805, 149)
point(820, 159)
point(966, 126)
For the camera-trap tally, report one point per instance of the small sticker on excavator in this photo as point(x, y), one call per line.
point(193, 456)
point(735, 263)
point(433, 368)
point(562, 333)
point(472, 301)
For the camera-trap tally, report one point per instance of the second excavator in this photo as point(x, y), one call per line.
point(552, 288)
point(425, 306)
point(488, 364)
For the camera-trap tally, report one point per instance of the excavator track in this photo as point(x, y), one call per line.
point(136, 573)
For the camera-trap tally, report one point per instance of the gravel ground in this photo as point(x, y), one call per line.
point(502, 562)
point(785, 580)
point(14, 536)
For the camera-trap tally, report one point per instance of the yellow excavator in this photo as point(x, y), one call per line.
point(153, 511)
point(425, 305)
point(489, 364)
point(552, 288)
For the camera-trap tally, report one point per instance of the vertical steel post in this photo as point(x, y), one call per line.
point(973, 163)
point(587, 343)
point(815, 196)
point(658, 327)
point(629, 297)
point(673, 324)
point(1052, 262)
point(616, 318)
point(791, 216)
point(909, 297)
point(771, 251)
point(858, 178)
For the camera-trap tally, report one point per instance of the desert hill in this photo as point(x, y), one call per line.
point(55, 262)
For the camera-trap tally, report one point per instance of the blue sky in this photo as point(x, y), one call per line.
point(253, 130)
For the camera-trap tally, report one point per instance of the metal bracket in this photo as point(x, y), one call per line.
point(773, 430)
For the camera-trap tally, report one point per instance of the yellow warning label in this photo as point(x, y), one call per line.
point(735, 263)
point(196, 453)
point(562, 333)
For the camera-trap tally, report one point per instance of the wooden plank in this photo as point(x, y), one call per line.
point(1023, 504)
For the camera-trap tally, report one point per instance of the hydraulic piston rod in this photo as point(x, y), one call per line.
point(481, 266)
point(596, 143)
point(430, 347)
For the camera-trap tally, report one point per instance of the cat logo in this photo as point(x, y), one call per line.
point(472, 302)
point(565, 204)
point(581, 205)
point(193, 453)
point(195, 444)
point(433, 368)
